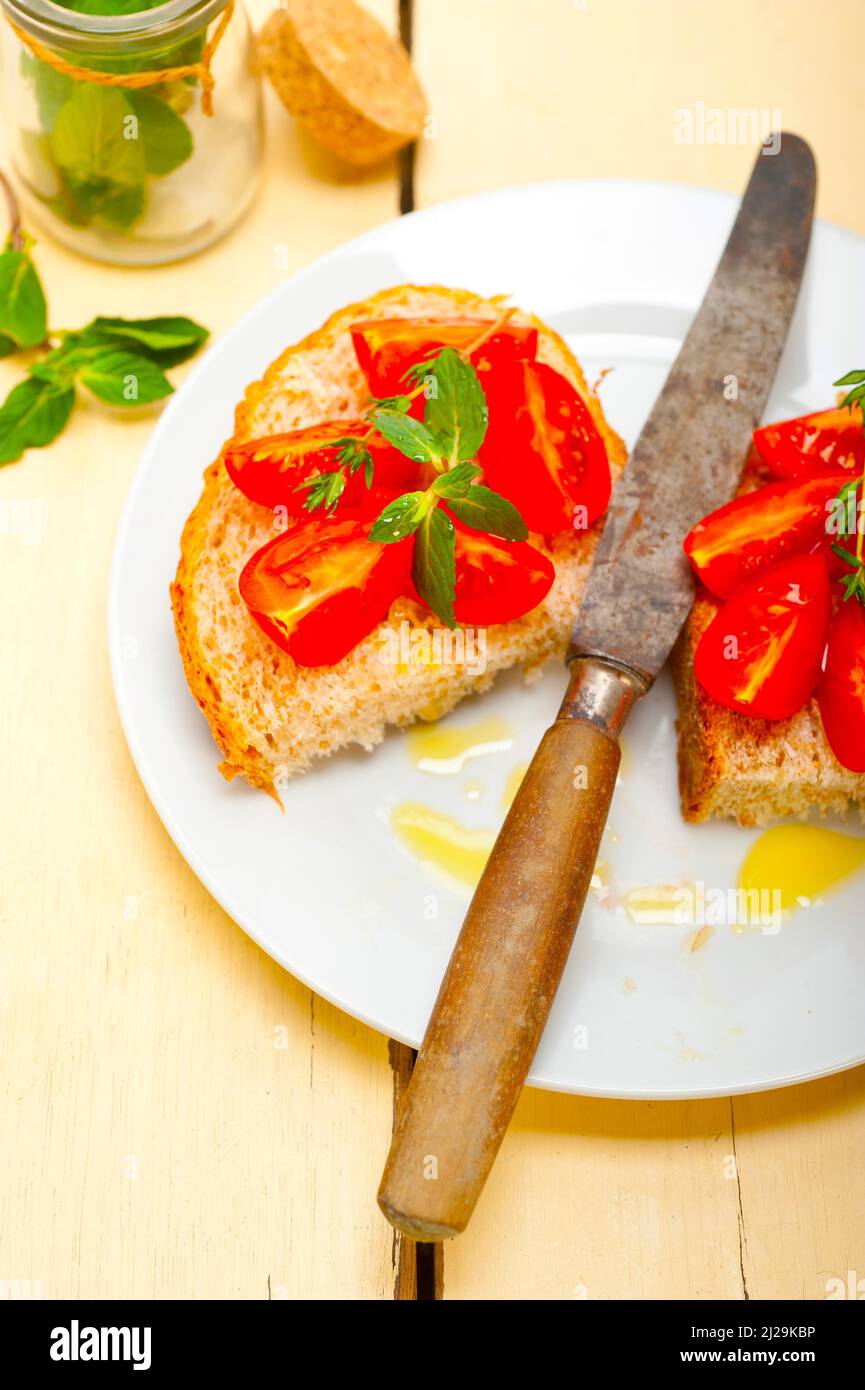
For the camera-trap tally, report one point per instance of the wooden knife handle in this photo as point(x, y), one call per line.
point(505, 969)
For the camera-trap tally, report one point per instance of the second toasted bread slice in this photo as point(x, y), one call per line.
point(753, 770)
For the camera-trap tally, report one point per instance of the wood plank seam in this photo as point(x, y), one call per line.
point(418, 1269)
point(743, 1240)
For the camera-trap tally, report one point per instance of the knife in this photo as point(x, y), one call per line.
point(499, 986)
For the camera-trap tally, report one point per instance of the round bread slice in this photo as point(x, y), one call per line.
point(272, 718)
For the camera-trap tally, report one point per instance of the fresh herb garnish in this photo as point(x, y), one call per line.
point(412, 438)
point(402, 516)
point(122, 361)
point(444, 444)
point(34, 413)
point(325, 489)
point(851, 497)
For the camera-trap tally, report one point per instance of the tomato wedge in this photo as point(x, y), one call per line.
point(841, 695)
point(543, 452)
point(270, 470)
point(386, 348)
point(761, 654)
point(321, 586)
point(814, 445)
point(496, 580)
point(747, 536)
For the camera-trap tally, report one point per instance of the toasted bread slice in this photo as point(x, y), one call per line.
point(754, 770)
point(270, 717)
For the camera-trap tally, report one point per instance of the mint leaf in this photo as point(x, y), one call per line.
point(93, 140)
point(22, 301)
point(124, 378)
point(118, 208)
point(457, 481)
point(434, 565)
point(406, 434)
point(33, 414)
point(94, 144)
point(167, 341)
point(485, 510)
point(850, 379)
point(6, 345)
point(400, 517)
point(456, 409)
point(165, 136)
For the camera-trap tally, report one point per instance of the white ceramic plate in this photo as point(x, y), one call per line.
point(326, 888)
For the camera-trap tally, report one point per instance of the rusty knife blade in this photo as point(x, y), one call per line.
point(691, 451)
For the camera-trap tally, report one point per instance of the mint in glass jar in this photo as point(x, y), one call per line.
point(136, 130)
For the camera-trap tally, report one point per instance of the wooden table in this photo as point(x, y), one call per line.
point(179, 1117)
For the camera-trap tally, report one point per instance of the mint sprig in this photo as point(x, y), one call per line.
point(453, 429)
point(443, 444)
point(121, 361)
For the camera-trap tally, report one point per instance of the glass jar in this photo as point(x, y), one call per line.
point(155, 155)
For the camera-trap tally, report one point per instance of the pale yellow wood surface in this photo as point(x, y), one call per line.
point(177, 1116)
point(160, 1136)
point(598, 1198)
point(546, 89)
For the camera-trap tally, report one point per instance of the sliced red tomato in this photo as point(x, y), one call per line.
point(270, 470)
point(321, 586)
point(761, 654)
point(747, 536)
point(543, 452)
point(386, 348)
point(841, 694)
point(813, 445)
point(496, 580)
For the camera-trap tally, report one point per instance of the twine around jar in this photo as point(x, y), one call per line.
point(136, 80)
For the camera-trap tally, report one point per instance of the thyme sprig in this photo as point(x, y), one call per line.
point(849, 499)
